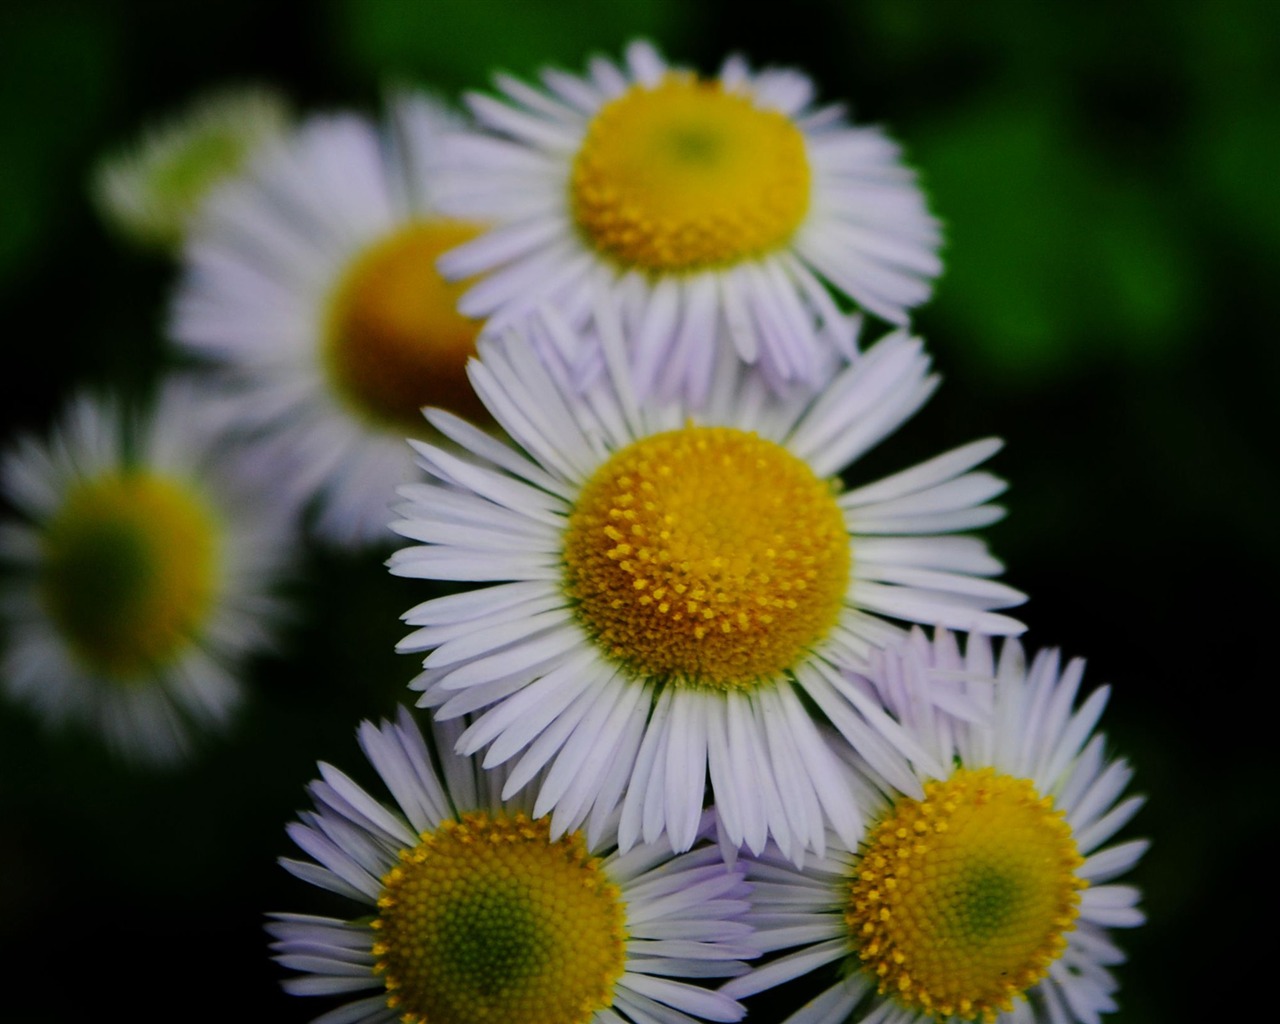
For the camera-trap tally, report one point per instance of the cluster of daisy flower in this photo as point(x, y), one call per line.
point(701, 712)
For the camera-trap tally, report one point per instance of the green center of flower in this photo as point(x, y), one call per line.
point(707, 555)
point(129, 571)
point(489, 919)
point(685, 175)
point(962, 901)
point(205, 159)
point(395, 340)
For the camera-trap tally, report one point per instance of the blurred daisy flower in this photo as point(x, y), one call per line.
point(142, 572)
point(150, 191)
point(715, 212)
point(669, 593)
point(310, 281)
point(471, 910)
point(983, 892)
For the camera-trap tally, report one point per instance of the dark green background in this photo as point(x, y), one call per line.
point(1106, 174)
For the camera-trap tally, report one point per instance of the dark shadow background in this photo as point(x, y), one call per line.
point(1106, 173)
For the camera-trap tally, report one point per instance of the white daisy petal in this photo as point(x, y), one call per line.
point(690, 998)
point(321, 877)
point(1100, 788)
point(366, 813)
point(478, 641)
point(520, 125)
point(687, 769)
point(762, 809)
point(360, 1010)
point(327, 985)
point(412, 782)
point(550, 741)
point(785, 968)
point(606, 810)
point(587, 744)
point(434, 636)
point(465, 607)
point(604, 744)
point(515, 723)
point(1113, 861)
point(732, 805)
point(476, 440)
point(653, 816)
point(795, 786)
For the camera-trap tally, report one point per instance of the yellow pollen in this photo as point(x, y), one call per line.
point(708, 556)
point(962, 901)
point(394, 340)
point(685, 175)
point(129, 571)
point(489, 920)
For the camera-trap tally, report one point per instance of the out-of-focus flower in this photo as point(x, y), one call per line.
point(310, 281)
point(150, 191)
point(144, 568)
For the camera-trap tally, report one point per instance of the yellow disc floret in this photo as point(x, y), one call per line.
point(129, 570)
point(488, 919)
point(686, 175)
point(708, 556)
point(394, 339)
point(961, 901)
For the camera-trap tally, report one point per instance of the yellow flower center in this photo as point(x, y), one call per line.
point(488, 919)
point(707, 555)
point(962, 901)
point(395, 340)
point(129, 571)
point(685, 175)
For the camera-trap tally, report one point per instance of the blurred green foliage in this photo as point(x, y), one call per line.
point(58, 77)
point(459, 44)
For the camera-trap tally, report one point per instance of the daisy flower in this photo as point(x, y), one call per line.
point(310, 282)
point(728, 211)
point(152, 190)
point(471, 910)
point(985, 892)
point(669, 593)
point(142, 572)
